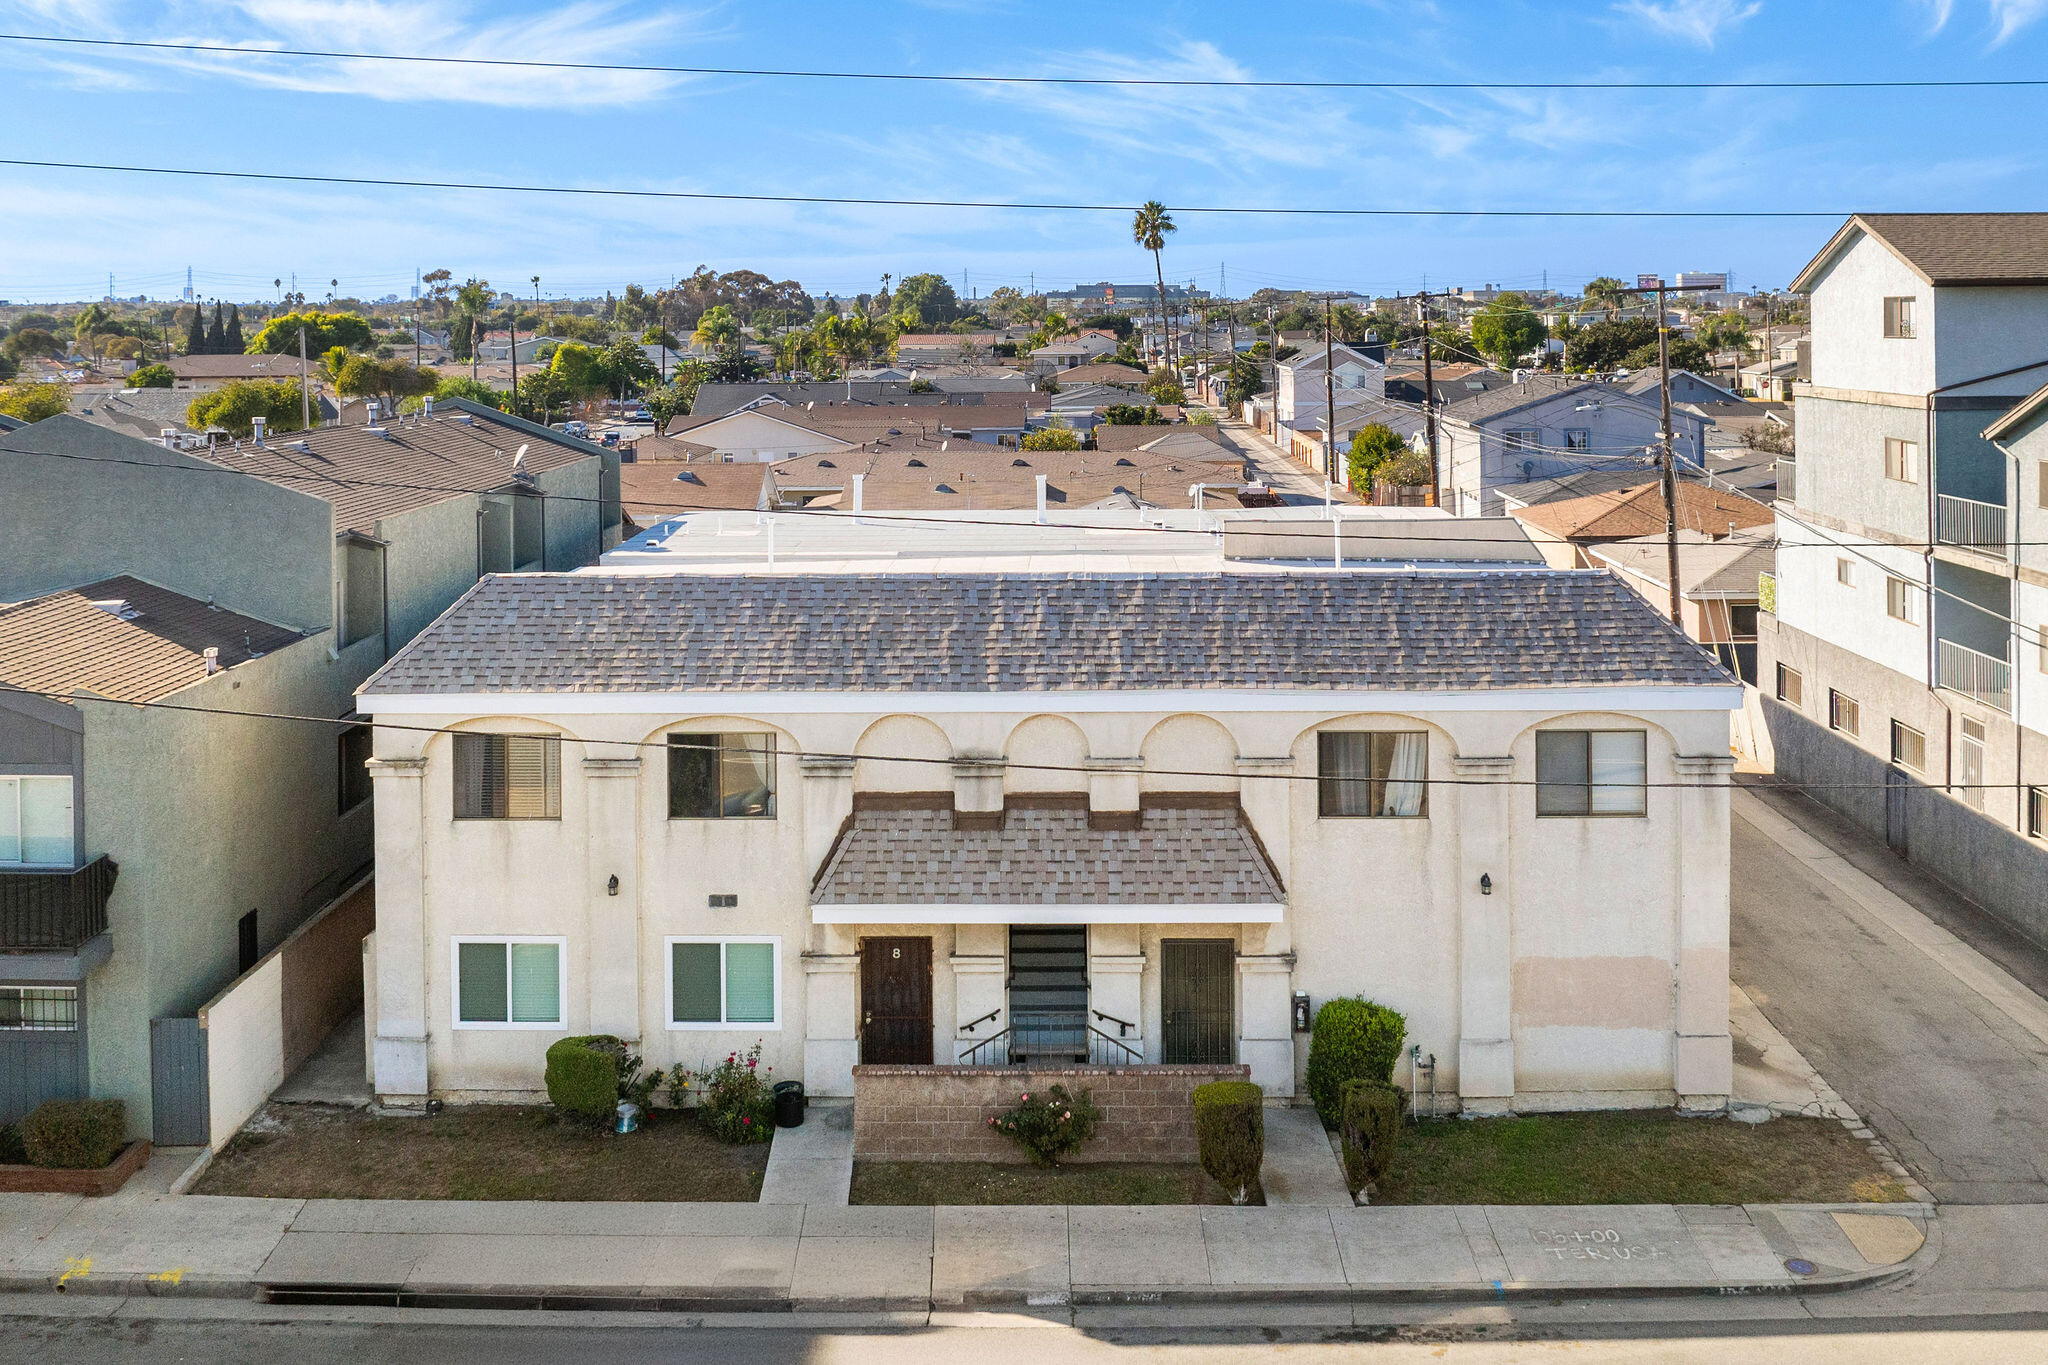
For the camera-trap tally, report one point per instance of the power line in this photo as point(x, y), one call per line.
point(953, 78)
point(614, 192)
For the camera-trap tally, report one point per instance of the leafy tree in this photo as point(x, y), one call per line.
point(579, 370)
point(1132, 415)
point(8, 367)
point(152, 377)
point(30, 342)
point(231, 338)
point(627, 368)
point(34, 402)
point(1165, 387)
point(1507, 329)
point(1003, 304)
point(1685, 354)
point(439, 285)
point(1247, 380)
point(195, 339)
point(1606, 290)
point(1371, 446)
point(1119, 323)
point(661, 336)
point(717, 327)
point(928, 299)
point(1149, 229)
point(90, 319)
point(475, 390)
point(1604, 345)
point(216, 332)
point(540, 393)
point(235, 405)
point(324, 331)
point(1051, 438)
point(732, 365)
point(1406, 469)
point(363, 376)
point(114, 346)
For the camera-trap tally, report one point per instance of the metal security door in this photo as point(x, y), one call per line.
point(896, 1001)
point(1897, 786)
point(1195, 1000)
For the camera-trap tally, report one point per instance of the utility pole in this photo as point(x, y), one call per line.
point(1329, 395)
point(1429, 401)
point(1273, 360)
point(305, 385)
point(1667, 460)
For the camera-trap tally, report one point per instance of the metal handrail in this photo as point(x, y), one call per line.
point(972, 1024)
point(1974, 673)
point(970, 1057)
point(1101, 1046)
point(1123, 1026)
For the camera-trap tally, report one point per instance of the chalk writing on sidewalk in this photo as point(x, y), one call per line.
point(1591, 1244)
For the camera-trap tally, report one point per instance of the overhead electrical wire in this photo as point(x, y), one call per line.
point(964, 78)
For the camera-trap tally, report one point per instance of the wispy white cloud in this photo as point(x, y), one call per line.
point(2008, 17)
point(1695, 21)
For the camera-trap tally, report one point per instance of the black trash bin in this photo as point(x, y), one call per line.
point(789, 1104)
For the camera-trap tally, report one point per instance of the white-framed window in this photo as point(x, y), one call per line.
point(1901, 602)
point(509, 981)
point(1526, 439)
point(1791, 686)
point(1845, 571)
point(1901, 460)
point(1909, 747)
point(1898, 317)
point(1592, 772)
point(1578, 438)
point(1844, 713)
point(35, 821)
point(729, 981)
point(39, 1009)
point(2037, 812)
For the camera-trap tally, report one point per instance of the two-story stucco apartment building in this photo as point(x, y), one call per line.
point(155, 839)
point(921, 817)
point(1902, 664)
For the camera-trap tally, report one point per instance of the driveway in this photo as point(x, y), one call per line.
point(1918, 1008)
point(1274, 468)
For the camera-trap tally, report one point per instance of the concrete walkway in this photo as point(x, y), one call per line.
point(750, 1257)
point(813, 1162)
point(1301, 1165)
point(337, 1073)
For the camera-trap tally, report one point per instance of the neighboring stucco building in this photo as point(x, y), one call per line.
point(1545, 425)
point(1122, 817)
point(1899, 659)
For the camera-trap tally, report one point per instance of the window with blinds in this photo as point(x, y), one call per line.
point(508, 777)
point(1592, 772)
point(724, 983)
point(721, 777)
point(508, 983)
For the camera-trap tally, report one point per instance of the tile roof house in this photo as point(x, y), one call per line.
point(301, 562)
point(1568, 528)
point(913, 818)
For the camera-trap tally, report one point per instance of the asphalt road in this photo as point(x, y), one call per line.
point(1957, 1089)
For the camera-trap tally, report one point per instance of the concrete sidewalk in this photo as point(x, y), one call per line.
point(832, 1258)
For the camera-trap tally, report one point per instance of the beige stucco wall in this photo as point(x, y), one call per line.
point(1595, 972)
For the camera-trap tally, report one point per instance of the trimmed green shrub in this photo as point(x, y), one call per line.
point(583, 1077)
point(1230, 1134)
point(1354, 1039)
point(74, 1135)
point(1368, 1128)
point(1050, 1126)
point(12, 1153)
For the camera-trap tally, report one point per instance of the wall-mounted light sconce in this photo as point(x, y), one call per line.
point(611, 888)
point(1485, 884)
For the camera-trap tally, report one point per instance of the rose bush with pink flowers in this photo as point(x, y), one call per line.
point(1050, 1126)
point(735, 1098)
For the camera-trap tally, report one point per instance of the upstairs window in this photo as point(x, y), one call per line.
point(1901, 460)
point(1592, 772)
point(721, 777)
point(1898, 318)
point(35, 821)
point(1901, 602)
point(508, 777)
point(1525, 440)
point(1845, 572)
point(352, 757)
point(1578, 438)
point(1373, 774)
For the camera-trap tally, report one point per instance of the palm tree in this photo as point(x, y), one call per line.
point(1148, 230)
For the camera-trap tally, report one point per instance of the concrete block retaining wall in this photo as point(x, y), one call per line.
point(941, 1113)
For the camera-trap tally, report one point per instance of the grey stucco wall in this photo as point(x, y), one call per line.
point(135, 508)
point(1841, 464)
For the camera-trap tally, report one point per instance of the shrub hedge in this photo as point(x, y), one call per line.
point(12, 1153)
point(1230, 1134)
point(583, 1077)
point(1368, 1128)
point(74, 1135)
point(1354, 1039)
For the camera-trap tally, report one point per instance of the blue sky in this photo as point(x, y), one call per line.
point(61, 232)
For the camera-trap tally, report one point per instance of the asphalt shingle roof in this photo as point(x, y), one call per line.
point(1951, 248)
point(597, 633)
point(1177, 856)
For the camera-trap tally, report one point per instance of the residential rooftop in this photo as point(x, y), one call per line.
point(1624, 513)
point(1948, 249)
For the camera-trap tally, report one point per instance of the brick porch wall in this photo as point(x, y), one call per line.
point(941, 1113)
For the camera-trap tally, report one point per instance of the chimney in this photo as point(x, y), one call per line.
point(370, 411)
point(858, 480)
point(168, 436)
point(257, 423)
point(1040, 481)
point(427, 406)
point(212, 657)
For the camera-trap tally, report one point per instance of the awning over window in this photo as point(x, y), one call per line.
point(1045, 864)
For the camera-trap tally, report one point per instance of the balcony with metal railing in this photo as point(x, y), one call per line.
point(1970, 525)
point(1974, 674)
point(55, 910)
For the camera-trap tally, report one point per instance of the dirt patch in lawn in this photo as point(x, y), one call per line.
point(479, 1152)
point(1633, 1158)
point(988, 1182)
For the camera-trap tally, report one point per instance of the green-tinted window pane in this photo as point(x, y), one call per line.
point(480, 984)
point(750, 983)
point(536, 983)
point(695, 987)
point(692, 777)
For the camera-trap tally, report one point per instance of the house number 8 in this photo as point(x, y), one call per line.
point(895, 952)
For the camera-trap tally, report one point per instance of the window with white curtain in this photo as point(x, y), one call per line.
point(1372, 773)
point(35, 821)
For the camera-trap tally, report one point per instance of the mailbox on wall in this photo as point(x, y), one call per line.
point(1301, 1014)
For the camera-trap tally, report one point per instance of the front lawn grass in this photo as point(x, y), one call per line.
point(989, 1182)
point(1632, 1158)
point(480, 1152)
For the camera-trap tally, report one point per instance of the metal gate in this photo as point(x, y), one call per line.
point(42, 1048)
point(1897, 791)
point(1195, 992)
point(179, 1113)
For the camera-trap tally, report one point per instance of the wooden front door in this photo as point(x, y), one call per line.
point(1195, 992)
point(896, 1001)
